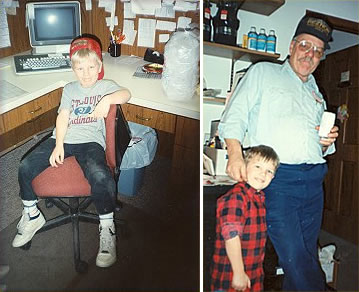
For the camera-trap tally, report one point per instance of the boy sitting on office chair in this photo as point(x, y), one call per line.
point(241, 228)
point(80, 132)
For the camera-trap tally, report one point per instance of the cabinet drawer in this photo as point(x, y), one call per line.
point(29, 111)
point(152, 118)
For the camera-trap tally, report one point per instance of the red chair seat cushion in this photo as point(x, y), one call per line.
point(67, 180)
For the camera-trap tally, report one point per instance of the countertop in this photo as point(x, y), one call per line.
point(145, 92)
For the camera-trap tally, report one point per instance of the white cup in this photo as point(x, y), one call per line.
point(326, 124)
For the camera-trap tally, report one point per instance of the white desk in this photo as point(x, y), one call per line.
point(145, 92)
point(25, 115)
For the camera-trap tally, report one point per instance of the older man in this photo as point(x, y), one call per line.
point(281, 106)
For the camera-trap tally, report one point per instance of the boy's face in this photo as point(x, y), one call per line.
point(260, 172)
point(86, 71)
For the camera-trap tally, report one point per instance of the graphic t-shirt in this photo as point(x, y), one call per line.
point(81, 102)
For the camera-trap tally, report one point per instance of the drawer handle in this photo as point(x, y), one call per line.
point(34, 111)
point(142, 118)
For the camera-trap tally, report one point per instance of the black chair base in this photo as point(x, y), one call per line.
point(73, 212)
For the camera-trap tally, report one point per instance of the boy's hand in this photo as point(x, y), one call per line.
point(101, 109)
point(241, 281)
point(57, 156)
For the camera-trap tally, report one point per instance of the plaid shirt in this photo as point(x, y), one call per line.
point(240, 212)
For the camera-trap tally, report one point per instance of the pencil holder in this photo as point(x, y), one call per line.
point(114, 50)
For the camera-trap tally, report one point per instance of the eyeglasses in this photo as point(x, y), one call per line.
point(306, 46)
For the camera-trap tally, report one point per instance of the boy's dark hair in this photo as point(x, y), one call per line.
point(266, 152)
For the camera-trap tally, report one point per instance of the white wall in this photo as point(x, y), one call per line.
point(216, 70)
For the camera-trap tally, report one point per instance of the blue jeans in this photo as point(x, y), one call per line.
point(294, 202)
point(92, 160)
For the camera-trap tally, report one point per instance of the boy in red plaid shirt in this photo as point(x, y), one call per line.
point(241, 226)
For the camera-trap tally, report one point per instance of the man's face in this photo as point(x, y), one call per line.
point(260, 172)
point(86, 71)
point(305, 54)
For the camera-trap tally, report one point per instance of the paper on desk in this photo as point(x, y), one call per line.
point(166, 25)
point(129, 32)
point(146, 32)
point(209, 180)
point(129, 60)
point(146, 7)
point(4, 65)
point(9, 90)
point(208, 165)
point(127, 13)
point(183, 22)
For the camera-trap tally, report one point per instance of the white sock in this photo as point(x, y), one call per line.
point(30, 208)
point(106, 220)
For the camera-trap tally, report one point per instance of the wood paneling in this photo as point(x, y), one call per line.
point(92, 22)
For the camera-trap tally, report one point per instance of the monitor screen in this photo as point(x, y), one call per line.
point(53, 25)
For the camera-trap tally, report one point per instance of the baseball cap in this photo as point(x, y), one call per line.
point(87, 43)
point(316, 27)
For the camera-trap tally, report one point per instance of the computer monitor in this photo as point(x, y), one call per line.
point(53, 25)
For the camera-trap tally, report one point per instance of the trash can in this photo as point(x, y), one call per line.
point(140, 153)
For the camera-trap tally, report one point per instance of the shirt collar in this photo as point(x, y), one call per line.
point(251, 192)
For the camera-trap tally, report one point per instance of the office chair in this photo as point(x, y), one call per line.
point(68, 182)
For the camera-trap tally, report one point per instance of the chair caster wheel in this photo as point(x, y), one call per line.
point(26, 246)
point(81, 267)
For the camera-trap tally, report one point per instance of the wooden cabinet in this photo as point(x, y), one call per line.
point(152, 118)
point(178, 139)
point(21, 123)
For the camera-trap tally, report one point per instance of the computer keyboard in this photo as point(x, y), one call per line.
point(44, 63)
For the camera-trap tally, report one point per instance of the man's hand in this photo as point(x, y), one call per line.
point(241, 281)
point(236, 167)
point(332, 137)
point(57, 156)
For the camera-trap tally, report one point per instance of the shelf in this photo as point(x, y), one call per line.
point(237, 53)
point(217, 100)
point(264, 7)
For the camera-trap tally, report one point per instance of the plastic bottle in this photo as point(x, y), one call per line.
point(207, 19)
point(226, 23)
point(262, 40)
point(271, 42)
point(252, 38)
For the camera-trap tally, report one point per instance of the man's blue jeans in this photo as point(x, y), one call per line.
point(294, 202)
point(92, 159)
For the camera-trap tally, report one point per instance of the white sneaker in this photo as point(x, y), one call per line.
point(27, 228)
point(107, 252)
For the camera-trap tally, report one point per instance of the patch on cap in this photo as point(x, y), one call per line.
point(316, 27)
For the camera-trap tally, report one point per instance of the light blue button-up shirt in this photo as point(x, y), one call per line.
point(272, 106)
